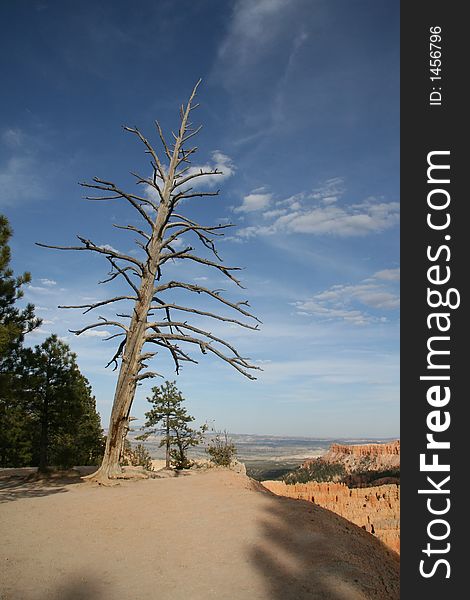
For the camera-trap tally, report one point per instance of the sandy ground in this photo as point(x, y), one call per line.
point(206, 535)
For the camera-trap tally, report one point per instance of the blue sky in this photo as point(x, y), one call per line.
point(300, 110)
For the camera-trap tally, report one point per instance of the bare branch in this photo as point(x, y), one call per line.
point(163, 141)
point(184, 325)
point(147, 375)
point(203, 313)
point(152, 183)
point(150, 150)
point(173, 254)
point(111, 337)
point(205, 261)
point(123, 272)
point(102, 323)
point(132, 228)
point(100, 303)
point(185, 154)
point(194, 132)
point(203, 290)
point(117, 354)
point(211, 229)
point(185, 194)
point(240, 364)
point(134, 200)
point(89, 245)
point(205, 240)
point(194, 175)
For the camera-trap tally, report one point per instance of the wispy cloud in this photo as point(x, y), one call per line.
point(24, 175)
point(254, 26)
point(343, 370)
point(48, 282)
point(20, 181)
point(352, 303)
point(388, 274)
point(320, 213)
point(262, 43)
point(38, 289)
point(13, 138)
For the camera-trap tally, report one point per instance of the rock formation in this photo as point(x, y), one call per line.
point(367, 457)
point(375, 509)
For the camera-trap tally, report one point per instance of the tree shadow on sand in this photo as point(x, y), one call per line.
point(307, 552)
point(80, 588)
point(16, 487)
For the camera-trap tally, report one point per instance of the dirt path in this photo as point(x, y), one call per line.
point(208, 535)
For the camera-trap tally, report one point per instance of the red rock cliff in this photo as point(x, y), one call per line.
point(375, 509)
point(370, 457)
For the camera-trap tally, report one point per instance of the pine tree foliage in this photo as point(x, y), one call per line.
point(170, 419)
point(14, 322)
point(16, 428)
point(47, 411)
point(58, 400)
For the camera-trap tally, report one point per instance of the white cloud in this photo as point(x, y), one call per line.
point(95, 333)
point(388, 274)
point(320, 213)
point(48, 282)
point(329, 190)
point(108, 247)
point(352, 303)
point(220, 162)
point(276, 212)
point(344, 221)
point(254, 202)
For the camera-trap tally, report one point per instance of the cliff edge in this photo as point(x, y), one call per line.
point(215, 534)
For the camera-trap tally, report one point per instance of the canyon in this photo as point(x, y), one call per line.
point(370, 457)
point(375, 508)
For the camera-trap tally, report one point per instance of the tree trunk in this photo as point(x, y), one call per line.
point(167, 454)
point(124, 396)
point(42, 468)
point(127, 382)
point(44, 435)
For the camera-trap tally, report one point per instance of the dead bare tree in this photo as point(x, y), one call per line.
point(162, 226)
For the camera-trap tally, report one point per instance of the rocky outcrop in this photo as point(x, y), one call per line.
point(366, 457)
point(375, 509)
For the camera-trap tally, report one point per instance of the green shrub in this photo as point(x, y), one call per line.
point(221, 449)
point(138, 456)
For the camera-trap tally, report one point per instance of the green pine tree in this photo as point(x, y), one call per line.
point(15, 425)
point(58, 400)
point(14, 322)
point(170, 419)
